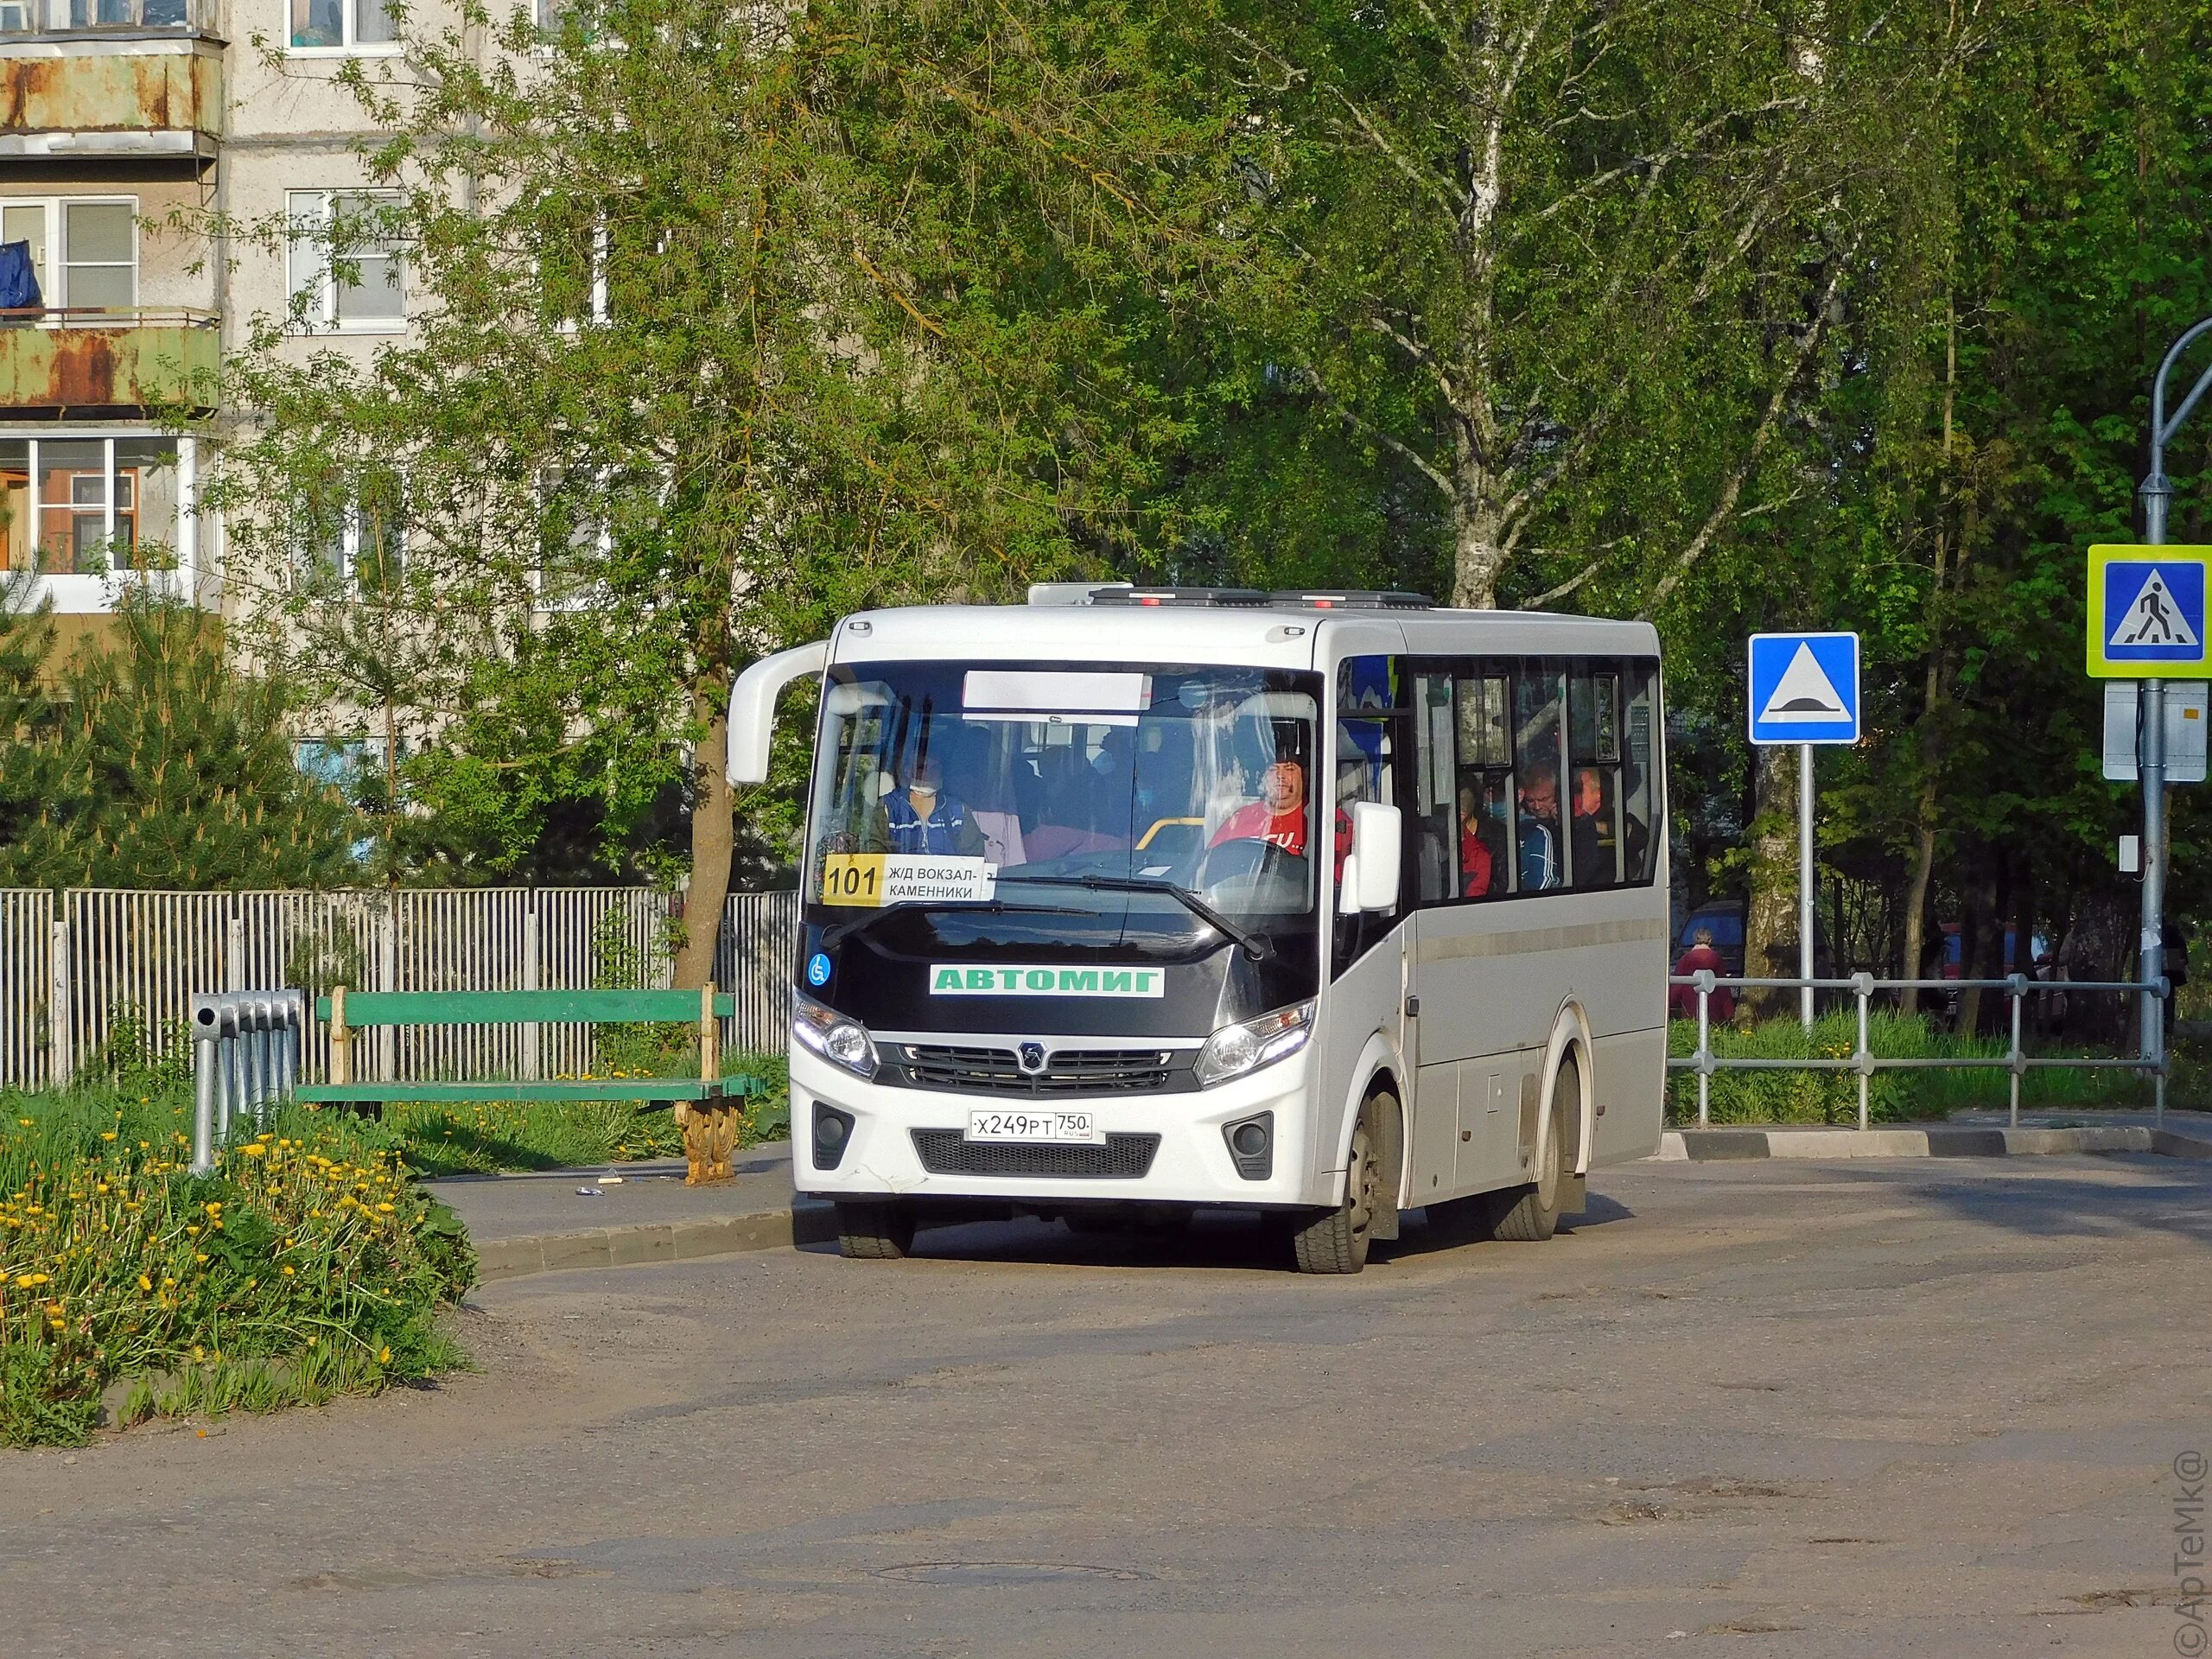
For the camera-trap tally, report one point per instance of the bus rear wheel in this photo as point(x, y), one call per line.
point(1529, 1215)
point(1336, 1240)
point(874, 1230)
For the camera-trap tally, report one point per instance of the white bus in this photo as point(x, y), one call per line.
point(1131, 901)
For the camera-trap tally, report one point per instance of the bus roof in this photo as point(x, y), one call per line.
point(1273, 635)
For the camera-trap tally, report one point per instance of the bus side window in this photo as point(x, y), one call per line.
point(1594, 707)
point(1539, 722)
point(1368, 689)
point(1642, 807)
point(1485, 806)
point(1437, 871)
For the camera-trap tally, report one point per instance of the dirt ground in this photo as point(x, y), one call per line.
point(1883, 1408)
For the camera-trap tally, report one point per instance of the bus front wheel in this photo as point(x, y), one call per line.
point(1336, 1240)
point(874, 1230)
point(1530, 1214)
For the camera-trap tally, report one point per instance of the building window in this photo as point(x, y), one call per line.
point(346, 268)
point(96, 239)
point(575, 538)
point(60, 16)
point(342, 26)
point(86, 506)
point(351, 546)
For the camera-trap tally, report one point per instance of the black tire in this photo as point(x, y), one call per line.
point(874, 1230)
point(1529, 1215)
point(1336, 1240)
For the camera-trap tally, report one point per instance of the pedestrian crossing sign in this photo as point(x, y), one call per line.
point(2146, 612)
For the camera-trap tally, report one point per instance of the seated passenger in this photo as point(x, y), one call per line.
point(1596, 864)
point(1539, 821)
point(924, 819)
point(1474, 849)
point(1278, 817)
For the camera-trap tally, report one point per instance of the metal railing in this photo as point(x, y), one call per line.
point(246, 1059)
point(110, 316)
point(2151, 1057)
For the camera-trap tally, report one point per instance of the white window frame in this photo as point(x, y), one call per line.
point(53, 269)
point(601, 534)
point(311, 208)
point(76, 595)
point(306, 557)
point(348, 25)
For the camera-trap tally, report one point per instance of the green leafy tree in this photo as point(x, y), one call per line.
point(726, 322)
point(1575, 267)
point(165, 767)
point(30, 761)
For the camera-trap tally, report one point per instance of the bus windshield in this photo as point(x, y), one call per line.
point(1068, 789)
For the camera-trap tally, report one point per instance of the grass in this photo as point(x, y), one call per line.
point(1892, 1096)
point(306, 1263)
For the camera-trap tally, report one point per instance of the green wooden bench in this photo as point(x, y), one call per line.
point(706, 1106)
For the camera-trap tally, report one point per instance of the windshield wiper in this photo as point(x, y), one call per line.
point(837, 930)
point(1257, 945)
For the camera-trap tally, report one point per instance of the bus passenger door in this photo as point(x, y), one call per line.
point(1367, 955)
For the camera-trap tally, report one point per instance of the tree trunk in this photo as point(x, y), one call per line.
point(1770, 918)
point(1981, 936)
point(1931, 726)
point(1915, 898)
point(713, 838)
point(1476, 557)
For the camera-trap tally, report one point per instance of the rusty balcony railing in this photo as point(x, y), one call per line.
point(111, 359)
point(109, 316)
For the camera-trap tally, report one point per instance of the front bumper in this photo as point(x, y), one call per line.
point(1193, 1164)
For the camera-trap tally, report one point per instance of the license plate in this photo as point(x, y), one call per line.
point(1081, 1128)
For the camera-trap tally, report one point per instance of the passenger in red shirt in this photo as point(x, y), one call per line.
point(1279, 815)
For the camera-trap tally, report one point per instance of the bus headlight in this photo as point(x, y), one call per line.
point(833, 1036)
point(1234, 1050)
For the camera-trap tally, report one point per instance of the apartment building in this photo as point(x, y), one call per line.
point(125, 125)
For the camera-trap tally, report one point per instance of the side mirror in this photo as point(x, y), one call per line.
point(1371, 874)
point(753, 707)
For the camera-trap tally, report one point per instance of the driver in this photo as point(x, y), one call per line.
point(1278, 817)
point(922, 818)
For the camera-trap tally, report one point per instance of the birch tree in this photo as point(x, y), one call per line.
point(1576, 262)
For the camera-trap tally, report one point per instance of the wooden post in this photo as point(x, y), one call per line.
point(341, 1038)
point(59, 1057)
point(710, 1039)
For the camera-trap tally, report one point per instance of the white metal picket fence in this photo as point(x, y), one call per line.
point(73, 964)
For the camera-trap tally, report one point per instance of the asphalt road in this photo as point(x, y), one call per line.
point(1910, 1407)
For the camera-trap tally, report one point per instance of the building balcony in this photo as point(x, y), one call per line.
point(110, 79)
point(101, 363)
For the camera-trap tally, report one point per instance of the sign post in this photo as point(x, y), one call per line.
point(1804, 689)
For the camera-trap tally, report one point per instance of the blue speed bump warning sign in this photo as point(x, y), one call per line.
point(2146, 612)
point(1804, 687)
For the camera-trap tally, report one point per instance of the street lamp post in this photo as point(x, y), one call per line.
point(2156, 491)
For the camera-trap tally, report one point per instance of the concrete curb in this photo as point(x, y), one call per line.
point(1705, 1146)
point(807, 1223)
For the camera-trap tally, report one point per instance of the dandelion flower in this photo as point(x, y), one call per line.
point(144, 1283)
